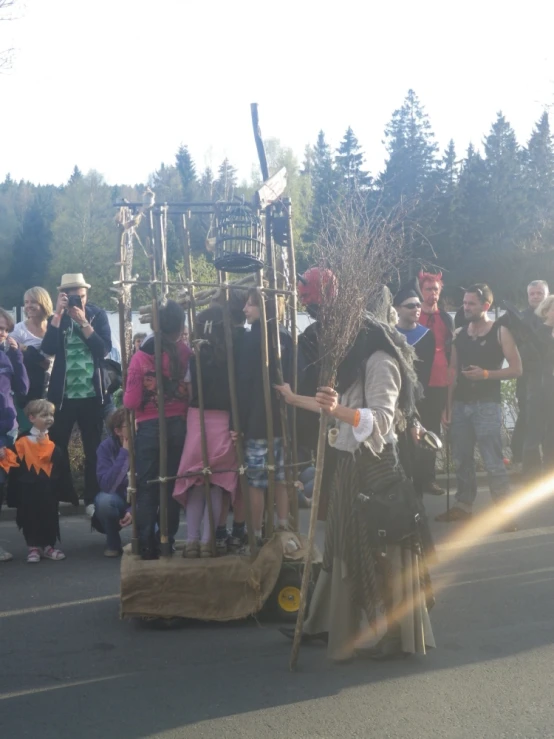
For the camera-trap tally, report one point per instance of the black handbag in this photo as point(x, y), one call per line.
point(391, 513)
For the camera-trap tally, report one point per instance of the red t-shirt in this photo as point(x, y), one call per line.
point(439, 370)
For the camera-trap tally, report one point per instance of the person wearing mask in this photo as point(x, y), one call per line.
point(440, 322)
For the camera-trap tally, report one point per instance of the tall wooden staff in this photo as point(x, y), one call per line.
point(197, 351)
point(165, 546)
point(126, 230)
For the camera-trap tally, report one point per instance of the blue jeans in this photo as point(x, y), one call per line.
point(110, 509)
point(147, 455)
point(479, 423)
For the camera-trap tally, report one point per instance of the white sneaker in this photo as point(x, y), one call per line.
point(5, 556)
point(89, 510)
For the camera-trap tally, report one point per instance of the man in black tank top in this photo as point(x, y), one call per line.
point(473, 410)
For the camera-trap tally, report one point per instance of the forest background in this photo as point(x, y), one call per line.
point(486, 216)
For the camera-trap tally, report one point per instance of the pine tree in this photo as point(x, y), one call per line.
point(409, 177)
point(32, 246)
point(539, 181)
point(187, 172)
point(412, 153)
point(323, 189)
point(463, 243)
point(75, 175)
point(307, 164)
point(505, 228)
point(349, 160)
point(207, 184)
point(226, 182)
point(446, 177)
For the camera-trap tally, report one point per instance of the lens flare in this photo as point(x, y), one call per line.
point(464, 538)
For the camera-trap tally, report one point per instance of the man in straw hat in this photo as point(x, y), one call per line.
point(79, 338)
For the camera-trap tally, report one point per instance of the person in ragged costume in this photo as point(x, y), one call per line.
point(377, 390)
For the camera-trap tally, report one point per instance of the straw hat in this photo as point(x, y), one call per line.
point(73, 280)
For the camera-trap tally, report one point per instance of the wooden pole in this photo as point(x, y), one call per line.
point(199, 380)
point(125, 328)
point(268, 390)
point(163, 250)
point(165, 547)
point(294, 378)
point(273, 322)
point(307, 572)
point(204, 445)
point(245, 491)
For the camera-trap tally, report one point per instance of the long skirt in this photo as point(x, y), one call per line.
point(222, 458)
point(359, 594)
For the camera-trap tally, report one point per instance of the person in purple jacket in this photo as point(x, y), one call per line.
point(13, 379)
point(112, 467)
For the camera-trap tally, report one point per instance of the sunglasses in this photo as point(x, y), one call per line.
point(411, 306)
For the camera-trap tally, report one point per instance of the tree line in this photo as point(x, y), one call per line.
point(487, 215)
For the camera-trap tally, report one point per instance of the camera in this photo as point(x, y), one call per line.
point(74, 301)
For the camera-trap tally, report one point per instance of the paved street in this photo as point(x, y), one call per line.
point(70, 668)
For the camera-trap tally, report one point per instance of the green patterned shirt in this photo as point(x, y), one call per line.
point(79, 366)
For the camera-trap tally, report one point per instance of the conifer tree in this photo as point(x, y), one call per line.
point(412, 150)
point(323, 190)
point(349, 161)
point(539, 183)
point(32, 246)
point(207, 184)
point(226, 182)
point(75, 175)
point(187, 172)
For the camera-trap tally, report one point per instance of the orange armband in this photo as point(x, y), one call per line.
point(357, 417)
point(485, 374)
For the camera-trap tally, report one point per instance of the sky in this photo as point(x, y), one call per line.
point(118, 85)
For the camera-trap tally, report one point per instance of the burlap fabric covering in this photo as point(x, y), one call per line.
point(220, 589)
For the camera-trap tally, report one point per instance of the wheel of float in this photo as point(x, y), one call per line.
point(285, 598)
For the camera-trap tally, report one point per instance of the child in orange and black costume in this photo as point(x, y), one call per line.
point(34, 485)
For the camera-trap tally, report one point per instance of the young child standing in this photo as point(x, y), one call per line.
point(13, 380)
point(34, 485)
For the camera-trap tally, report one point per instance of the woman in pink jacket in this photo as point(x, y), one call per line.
point(141, 397)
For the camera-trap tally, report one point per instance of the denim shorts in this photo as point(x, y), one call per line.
point(255, 456)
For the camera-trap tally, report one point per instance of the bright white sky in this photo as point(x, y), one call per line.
point(117, 85)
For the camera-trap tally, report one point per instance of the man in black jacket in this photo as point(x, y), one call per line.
point(531, 423)
point(79, 338)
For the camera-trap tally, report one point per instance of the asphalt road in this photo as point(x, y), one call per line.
point(70, 668)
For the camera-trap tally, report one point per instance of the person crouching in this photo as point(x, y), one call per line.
point(34, 485)
point(112, 513)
